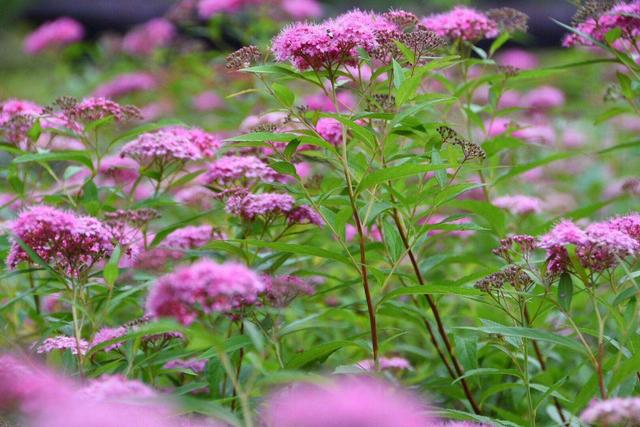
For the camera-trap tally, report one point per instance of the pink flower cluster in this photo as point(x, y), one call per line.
point(62, 342)
point(346, 401)
point(330, 129)
point(613, 412)
point(207, 101)
point(244, 169)
point(330, 43)
point(462, 23)
point(625, 16)
point(145, 39)
point(51, 34)
point(108, 334)
point(305, 215)
point(599, 247)
point(175, 244)
point(96, 108)
point(281, 290)
point(208, 8)
point(203, 287)
point(519, 204)
point(125, 84)
point(250, 205)
point(171, 144)
point(70, 243)
point(16, 118)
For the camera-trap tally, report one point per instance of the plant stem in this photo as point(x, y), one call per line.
point(459, 370)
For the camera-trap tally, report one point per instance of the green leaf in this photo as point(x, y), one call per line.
point(565, 291)
point(395, 172)
point(34, 133)
point(262, 137)
point(166, 231)
point(111, 270)
point(69, 156)
point(534, 334)
point(398, 74)
point(299, 250)
point(431, 290)
point(283, 94)
point(498, 43)
point(318, 353)
point(284, 168)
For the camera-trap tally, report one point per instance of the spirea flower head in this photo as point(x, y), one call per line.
point(143, 40)
point(251, 205)
point(17, 116)
point(519, 204)
point(207, 143)
point(330, 129)
point(117, 170)
point(51, 34)
point(125, 84)
point(69, 243)
point(207, 101)
point(203, 287)
point(302, 9)
point(331, 43)
point(281, 290)
point(208, 8)
point(96, 108)
point(346, 401)
point(161, 147)
point(621, 411)
point(462, 23)
point(305, 215)
point(190, 237)
point(108, 334)
point(62, 342)
point(116, 387)
point(623, 15)
point(386, 363)
point(544, 98)
point(242, 169)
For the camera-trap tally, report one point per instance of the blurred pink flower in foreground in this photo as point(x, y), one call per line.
point(345, 401)
point(616, 411)
point(387, 363)
point(56, 33)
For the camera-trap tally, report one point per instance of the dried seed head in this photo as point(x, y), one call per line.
point(632, 186)
point(134, 217)
point(381, 102)
point(510, 20)
point(469, 149)
point(265, 127)
point(422, 41)
point(492, 282)
point(588, 9)
point(401, 18)
point(518, 278)
point(243, 58)
point(508, 70)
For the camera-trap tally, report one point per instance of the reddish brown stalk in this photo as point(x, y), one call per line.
point(365, 285)
point(459, 370)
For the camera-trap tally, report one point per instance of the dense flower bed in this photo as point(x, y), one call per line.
point(366, 220)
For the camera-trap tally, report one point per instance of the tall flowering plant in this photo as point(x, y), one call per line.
point(345, 217)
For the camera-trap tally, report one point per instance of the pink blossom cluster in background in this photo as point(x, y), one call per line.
point(125, 84)
point(463, 23)
point(146, 38)
point(600, 246)
point(625, 16)
point(70, 243)
point(205, 284)
point(54, 34)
